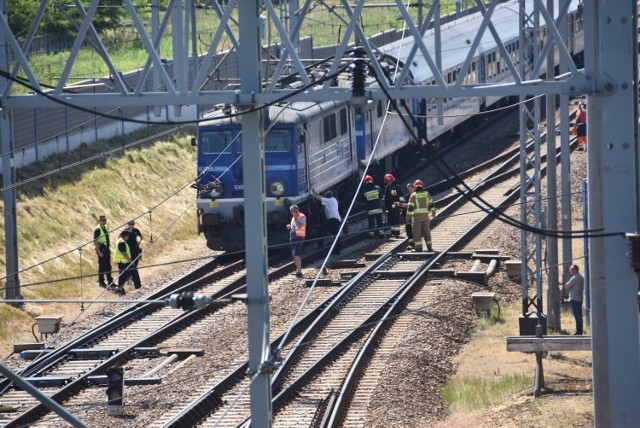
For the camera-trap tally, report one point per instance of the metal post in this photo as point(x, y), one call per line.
point(438, 42)
point(553, 289)
point(585, 224)
point(565, 176)
point(178, 41)
point(530, 175)
point(255, 217)
point(155, 24)
point(8, 179)
point(611, 53)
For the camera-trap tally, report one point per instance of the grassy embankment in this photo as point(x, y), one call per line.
point(494, 388)
point(56, 217)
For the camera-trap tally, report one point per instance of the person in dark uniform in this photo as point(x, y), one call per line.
point(373, 200)
point(122, 256)
point(103, 250)
point(393, 200)
point(135, 238)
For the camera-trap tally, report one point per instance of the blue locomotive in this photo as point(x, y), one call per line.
point(325, 145)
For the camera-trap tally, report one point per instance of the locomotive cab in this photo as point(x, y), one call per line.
point(221, 214)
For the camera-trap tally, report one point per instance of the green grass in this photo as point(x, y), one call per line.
point(57, 215)
point(475, 393)
point(486, 322)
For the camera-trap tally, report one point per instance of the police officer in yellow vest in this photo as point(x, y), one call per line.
point(103, 250)
point(420, 205)
point(127, 269)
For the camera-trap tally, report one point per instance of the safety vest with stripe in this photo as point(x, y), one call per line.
point(421, 203)
point(300, 231)
point(372, 195)
point(104, 236)
point(118, 257)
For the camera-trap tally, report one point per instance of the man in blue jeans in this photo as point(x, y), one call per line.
point(575, 285)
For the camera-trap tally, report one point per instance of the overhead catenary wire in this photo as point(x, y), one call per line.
point(175, 192)
point(186, 122)
point(167, 228)
point(477, 200)
point(42, 353)
point(171, 122)
point(342, 224)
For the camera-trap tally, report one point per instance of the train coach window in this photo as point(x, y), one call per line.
point(344, 123)
point(216, 142)
point(278, 141)
point(329, 131)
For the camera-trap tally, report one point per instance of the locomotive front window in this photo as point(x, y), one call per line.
point(215, 142)
point(278, 141)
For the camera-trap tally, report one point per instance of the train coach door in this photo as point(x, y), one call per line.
point(302, 178)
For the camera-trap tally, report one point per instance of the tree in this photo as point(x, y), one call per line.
point(22, 13)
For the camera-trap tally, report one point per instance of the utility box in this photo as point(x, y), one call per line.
point(529, 322)
point(48, 324)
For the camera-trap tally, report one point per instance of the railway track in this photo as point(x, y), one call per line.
point(323, 356)
point(138, 335)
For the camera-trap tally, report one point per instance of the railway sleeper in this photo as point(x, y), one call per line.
point(100, 380)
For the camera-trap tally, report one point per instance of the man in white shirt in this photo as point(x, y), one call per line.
point(331, 212)
point(576, 294)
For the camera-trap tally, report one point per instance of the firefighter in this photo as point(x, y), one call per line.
point(393, 200)
point(420, 206)
point(373, 201)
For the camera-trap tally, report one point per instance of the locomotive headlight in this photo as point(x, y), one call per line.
point(216, 190)
point(277, 188)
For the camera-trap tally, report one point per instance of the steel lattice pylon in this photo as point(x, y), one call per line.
point(530, 176)
point(609, 80)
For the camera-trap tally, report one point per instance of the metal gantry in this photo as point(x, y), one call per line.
point(609, 80)
point(530, 178)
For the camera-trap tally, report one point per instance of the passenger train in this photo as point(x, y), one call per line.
point(325, 145)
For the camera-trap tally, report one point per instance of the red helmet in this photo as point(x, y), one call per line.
point(389, 178)
point(368, 179)
point(418, 183)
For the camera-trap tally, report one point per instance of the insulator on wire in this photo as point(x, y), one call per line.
point(358, 73)
point(187, 300)
point(359, 79)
